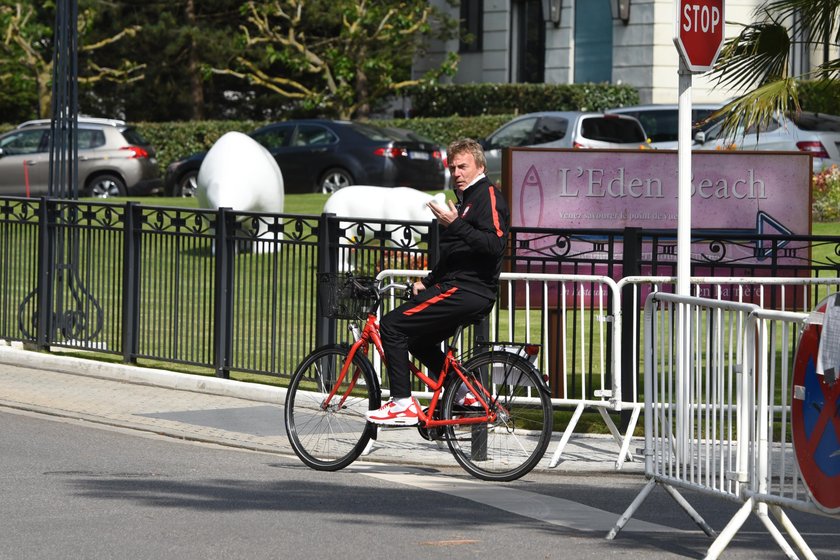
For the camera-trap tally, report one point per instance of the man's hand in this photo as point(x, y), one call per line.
point(445, 216)
point(417, 287)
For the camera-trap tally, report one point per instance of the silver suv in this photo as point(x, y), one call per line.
point(114, 160)
point(561, 129)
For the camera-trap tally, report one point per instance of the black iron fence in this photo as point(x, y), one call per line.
point(218, 289)
point(235, 291)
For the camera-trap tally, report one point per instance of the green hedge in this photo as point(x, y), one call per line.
point(178, 139)
point(445, 130)
point(174, 140)
point(820, 96)
point(492, 99)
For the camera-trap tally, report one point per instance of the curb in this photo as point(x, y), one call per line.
point(12, 355)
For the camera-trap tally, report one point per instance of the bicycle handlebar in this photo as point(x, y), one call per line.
point(381, 289)
point(407, 287)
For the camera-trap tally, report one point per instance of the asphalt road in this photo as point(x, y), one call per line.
point(72, 490)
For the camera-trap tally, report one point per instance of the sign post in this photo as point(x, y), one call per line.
point(698, 36)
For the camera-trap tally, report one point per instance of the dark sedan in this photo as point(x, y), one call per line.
point(324, 156)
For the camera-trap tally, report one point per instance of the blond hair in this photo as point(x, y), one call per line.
point(470, 146)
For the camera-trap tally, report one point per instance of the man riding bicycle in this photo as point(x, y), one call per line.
point(460, 289)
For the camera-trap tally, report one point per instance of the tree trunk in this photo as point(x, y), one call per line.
point(362, 98)
point(43, 80)
point(196, 81)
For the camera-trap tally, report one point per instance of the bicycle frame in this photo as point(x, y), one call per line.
point(370, 336)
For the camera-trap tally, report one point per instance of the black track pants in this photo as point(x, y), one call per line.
point(419, 325)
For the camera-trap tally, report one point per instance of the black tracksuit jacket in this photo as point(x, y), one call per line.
point(471, 248)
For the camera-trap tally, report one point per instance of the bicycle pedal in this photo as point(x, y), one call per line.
point(433, 434)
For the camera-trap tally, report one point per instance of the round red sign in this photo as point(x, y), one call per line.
point(698, 32)
point(815, 405)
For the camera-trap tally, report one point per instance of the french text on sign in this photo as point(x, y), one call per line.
point(700, 18)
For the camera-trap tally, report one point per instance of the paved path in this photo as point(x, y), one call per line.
point(218, 411)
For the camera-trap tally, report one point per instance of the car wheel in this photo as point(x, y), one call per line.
point(106, 186)
point(333, 180)
point(188, 184)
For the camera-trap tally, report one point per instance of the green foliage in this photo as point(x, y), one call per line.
point(26, 54)
point(177, 40)
point(491, 98)
point(826, 192)
point(820, 96)
point(337, 57)
point(445, 130)
point(757, 61)
point(175, 140)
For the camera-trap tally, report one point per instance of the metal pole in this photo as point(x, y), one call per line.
point(684, 183)
point(683, 257)
point(63, 147)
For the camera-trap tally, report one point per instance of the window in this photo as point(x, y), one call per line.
point(760, 128)
point(816, 122)
point(472, 26)
point(620, 131)
point(528, 41)
point(90, 139)
point(132, 136)
point(273, 138)
point(24, 142)
point(593, 41)
point(517, 133)
point(313, 135)
point(550, 129)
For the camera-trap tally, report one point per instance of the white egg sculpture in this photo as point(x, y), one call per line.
point(379, 203)
point(240, 174)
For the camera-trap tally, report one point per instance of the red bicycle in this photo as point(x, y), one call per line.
point(500, 438)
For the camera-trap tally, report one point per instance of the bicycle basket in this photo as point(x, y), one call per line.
point(347, 296)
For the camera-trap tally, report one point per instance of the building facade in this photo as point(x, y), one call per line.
point(577, 41)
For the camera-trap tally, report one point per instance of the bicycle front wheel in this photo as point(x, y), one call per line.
point(513, 444)
point(325, 415)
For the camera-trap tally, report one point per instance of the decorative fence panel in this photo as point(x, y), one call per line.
point(236, 291)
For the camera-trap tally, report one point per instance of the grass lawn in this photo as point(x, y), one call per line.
point(305, 204)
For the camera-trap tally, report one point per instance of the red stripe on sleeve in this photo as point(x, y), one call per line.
point(493, 210)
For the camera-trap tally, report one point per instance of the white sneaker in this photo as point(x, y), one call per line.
point(465, 398)
point(390, 414)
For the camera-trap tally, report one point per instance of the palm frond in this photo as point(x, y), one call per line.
point(813, 20)
point(758, 55)
point(758, 107)
point(829, 70)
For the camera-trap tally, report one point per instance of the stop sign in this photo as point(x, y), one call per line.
point(698, 32)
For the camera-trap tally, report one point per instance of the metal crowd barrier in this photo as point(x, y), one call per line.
point(782, 294)
point(581, 333)
point(718, 376)
point(573, 318)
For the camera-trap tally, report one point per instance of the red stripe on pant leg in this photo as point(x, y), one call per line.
point(430, 301)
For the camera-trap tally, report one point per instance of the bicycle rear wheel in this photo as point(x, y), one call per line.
point(328, 436)
point(511, 446)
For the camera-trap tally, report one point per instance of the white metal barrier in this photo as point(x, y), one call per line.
point(755, 290)
point(719, 426)
point(591, 310)
point(543, 309)
point(790, 294)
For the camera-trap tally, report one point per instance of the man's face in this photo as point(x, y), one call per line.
point(463, 170)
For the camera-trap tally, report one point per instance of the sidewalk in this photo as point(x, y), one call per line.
point(220, 411)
